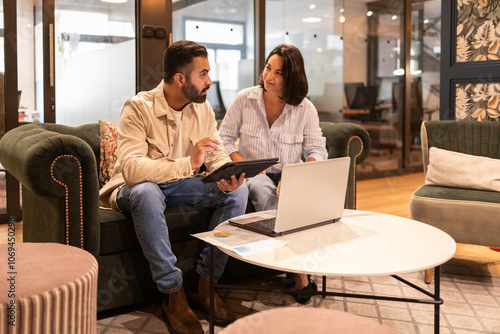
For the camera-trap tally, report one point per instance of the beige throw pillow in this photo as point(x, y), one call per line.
point(459, 170)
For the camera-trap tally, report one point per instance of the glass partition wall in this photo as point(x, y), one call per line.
point(374, 93)
point(354, 58)
point(95, 70)
point(226, 28)
point(315, 28)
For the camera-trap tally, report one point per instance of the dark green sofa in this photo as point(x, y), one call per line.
point(58, 168)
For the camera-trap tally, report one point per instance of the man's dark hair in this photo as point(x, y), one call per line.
point(178, 58)
point(293, 72)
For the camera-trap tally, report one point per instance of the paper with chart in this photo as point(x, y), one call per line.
point(240, 241)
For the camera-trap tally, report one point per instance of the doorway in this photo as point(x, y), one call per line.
point(391, 79)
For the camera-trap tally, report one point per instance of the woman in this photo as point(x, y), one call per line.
point(275, 119)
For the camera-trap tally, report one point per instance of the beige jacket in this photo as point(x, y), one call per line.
point(146, 134)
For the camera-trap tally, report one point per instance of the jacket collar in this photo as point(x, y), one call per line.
point(161, 107)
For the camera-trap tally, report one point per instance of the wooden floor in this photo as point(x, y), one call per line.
point(389, 195)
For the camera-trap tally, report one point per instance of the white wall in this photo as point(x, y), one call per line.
point(25, 53)
point(95, 85)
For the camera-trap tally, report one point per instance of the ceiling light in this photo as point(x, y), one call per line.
point(399, 72)
point(225, 11)
point(342, 18)
point(311, 19)
point(114, 1)
point(312, 6)
point(394, 17)
point(369, 13)
point(426, 21)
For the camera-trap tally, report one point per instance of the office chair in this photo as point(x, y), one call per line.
point(361, 97)
point(215, 98)
point(417, 110)
point(353, 94)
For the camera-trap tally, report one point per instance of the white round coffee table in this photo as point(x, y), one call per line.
point(362, 243)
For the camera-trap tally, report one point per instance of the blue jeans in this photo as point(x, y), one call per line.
point(262, 189)
point(147, 201)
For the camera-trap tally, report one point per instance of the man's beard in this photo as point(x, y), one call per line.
point(193, 94)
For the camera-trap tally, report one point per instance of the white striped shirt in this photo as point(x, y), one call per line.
point(294, 134)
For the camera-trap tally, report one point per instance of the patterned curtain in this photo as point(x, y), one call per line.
point(478, 39)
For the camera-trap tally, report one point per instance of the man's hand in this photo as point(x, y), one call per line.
point(231, 185)
point(201, 149)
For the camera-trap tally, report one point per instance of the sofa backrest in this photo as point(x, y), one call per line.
point(468, 137)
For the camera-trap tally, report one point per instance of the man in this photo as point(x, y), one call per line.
point(164, 136)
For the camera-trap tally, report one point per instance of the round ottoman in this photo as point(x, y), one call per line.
point(304, 320)
point(47, 288)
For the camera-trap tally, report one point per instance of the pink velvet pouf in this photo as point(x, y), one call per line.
point(47, 288)
point(291, 320)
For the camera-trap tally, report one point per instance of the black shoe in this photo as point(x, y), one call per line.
point(303, 295)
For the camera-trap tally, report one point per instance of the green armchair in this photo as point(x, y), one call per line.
point(58, 168)
point(468, 215)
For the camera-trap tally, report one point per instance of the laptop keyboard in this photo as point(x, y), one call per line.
point(264, 224)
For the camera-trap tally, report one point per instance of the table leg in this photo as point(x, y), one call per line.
point(212, 288)
point(324, 287)
point(437, 297)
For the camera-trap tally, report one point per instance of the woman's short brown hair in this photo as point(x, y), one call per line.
point(294, 74)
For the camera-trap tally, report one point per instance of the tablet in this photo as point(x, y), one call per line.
point(249, 167)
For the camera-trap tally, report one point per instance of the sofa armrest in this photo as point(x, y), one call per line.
point(60, 185)
point(347, 139)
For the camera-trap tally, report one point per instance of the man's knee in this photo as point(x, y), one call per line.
point(147, 192)
point(240, 195)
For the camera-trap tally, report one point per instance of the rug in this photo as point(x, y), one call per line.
point(471, 303)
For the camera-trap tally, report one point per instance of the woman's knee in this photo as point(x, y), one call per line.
point(260, 184)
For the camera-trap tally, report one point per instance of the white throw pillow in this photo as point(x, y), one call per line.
point(459, 170)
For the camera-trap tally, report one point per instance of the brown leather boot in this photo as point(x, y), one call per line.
point(178, 316)
point(198, 294)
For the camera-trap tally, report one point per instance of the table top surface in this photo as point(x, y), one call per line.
point(362, 243)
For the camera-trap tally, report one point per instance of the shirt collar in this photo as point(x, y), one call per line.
point(257, 93)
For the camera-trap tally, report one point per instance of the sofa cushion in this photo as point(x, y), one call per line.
point(118, 233)
point(459, 170)
point(457, 194)
point(108, 134)
point(473, 212)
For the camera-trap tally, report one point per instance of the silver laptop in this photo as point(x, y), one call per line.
point(311, 194)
